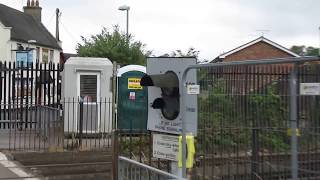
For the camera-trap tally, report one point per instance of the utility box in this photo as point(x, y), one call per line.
point(132, 99)
point(87, 95)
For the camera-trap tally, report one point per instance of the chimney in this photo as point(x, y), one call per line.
point(33, 9)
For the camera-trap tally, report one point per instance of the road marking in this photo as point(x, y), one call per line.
point(3, 157)
point(13, 167)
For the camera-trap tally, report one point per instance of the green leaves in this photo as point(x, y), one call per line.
point(228, 121)
point(191, 52)
point(304, 50)
point(115, 46)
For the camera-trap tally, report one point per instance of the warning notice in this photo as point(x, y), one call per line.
point(310, 88)
point(134, 83)
point(165, 147)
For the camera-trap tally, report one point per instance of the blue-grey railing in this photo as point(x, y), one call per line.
point(129, 169)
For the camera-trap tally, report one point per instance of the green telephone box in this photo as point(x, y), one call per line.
point(132, 99)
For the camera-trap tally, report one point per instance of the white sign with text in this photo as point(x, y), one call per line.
point(310, 88)
point(165, 146)
point(193, 89)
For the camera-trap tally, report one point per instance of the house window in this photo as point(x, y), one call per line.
point(45, 55)
point(24, 58)
point(38, 53)
point(51, 55)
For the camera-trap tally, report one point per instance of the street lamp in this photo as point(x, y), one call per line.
point(126, 8)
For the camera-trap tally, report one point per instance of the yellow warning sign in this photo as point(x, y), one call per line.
point(289, 132)
point(134, 83)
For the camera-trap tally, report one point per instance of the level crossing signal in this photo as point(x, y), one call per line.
point(163, 80)
point(169, 101)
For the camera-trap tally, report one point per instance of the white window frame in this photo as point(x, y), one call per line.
point(48, 51)
point(89, 103)
point(51, 55)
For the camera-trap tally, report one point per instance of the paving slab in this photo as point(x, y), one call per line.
point(11, 170)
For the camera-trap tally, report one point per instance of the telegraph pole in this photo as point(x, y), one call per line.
point(58, 14)
point(319, 42)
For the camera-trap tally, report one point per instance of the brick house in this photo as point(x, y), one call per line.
point(260, 48)
point(250, 78)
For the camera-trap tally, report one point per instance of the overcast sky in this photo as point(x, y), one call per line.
point(210, 26)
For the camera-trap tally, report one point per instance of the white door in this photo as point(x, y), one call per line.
point(89, 92)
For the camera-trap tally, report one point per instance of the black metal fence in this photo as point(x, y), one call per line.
point(135, 141)
point(37, 129)
point(29, 104)
point(87, 125)
point(34, 116)
point(137, 145)
point(75, 125)
point(245, 129)
point(38, 84)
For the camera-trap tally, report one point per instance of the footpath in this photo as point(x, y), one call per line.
point(11, 170)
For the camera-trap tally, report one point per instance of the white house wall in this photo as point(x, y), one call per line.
point(13, 45)
point(5, 50)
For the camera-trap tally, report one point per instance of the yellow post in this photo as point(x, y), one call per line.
point(191, 150)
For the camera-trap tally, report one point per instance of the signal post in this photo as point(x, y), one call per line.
point(163, 79)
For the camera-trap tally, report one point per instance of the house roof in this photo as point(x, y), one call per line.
point(25, 27)
point(260, 39)
point(69, 55)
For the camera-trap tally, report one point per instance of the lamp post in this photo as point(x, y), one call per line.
point(126, 8)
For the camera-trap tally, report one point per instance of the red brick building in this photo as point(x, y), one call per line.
point(243, 79)
point(260, 48)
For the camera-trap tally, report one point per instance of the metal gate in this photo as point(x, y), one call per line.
point(258, 120)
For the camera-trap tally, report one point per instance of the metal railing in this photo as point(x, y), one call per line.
point(30, 128)
point(48, 121)
point(36, 83)
point(87, 125)
point(132, 170)
point(254, 123)
point(74, 125)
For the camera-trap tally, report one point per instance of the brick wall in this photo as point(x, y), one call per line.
point(260, 50)
point(266, 73)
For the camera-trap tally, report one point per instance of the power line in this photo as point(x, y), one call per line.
point(50, 20)
point(68, 32)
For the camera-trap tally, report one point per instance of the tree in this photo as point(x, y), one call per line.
point(305, 50)
point(312, 51)
point(192, 52)
point(114, 46)
point(298, 49)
